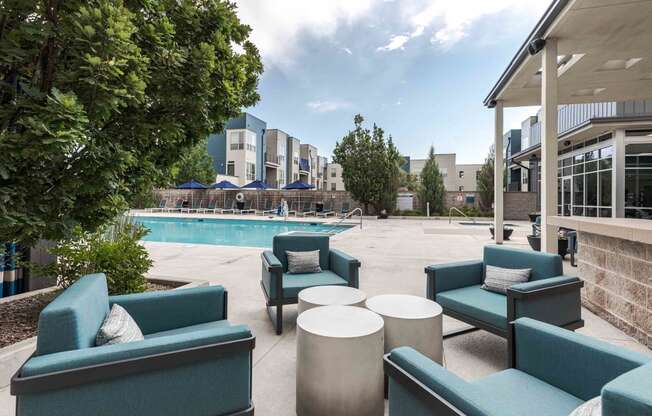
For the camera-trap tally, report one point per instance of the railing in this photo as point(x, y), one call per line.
point(347, 216)
point(450, 215)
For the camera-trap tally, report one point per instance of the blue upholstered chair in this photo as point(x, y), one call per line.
point(191, 362)
point(554, 372)
point(548, 296)
point(281, 288)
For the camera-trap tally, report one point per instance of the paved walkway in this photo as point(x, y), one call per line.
point(393, 255)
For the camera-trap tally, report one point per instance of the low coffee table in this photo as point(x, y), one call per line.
point(330, 295)
point(410, 321)
point(339, 362)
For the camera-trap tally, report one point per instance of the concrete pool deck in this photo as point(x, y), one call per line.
point(393, 254)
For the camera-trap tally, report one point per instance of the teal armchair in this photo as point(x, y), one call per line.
point(554, 372)
point(549, 296)
point(281, 288)
point(192, 360)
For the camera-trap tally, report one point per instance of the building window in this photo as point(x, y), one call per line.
point(230, 168)
point(250, 171)
point(333, 173)
point(461, 174)
point(444, 172)
point(461, 189)
point(333, 186)
point(638, 180)
point(477, 175)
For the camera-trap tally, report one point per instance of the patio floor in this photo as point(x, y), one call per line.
point(393, 255)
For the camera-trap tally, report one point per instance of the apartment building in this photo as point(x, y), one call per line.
point(334, 180)
point(276, 142)
point(457, 178)
point(308, 164)
point(293, 158)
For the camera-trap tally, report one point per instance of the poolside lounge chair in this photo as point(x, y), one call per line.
point(281, 288)
point(267, 208)
point(292, 209)
point(193, 361)
point(209, 208)
point(196, 205)
point(345, 209)
point(328, 210)
point(246, 209)
point(306, 210)
point(177, 206)
point(555, 371)
point(161, 206)
point(229, 203)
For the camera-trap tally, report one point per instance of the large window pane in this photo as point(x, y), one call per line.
point(605, 212)
point(591, 166)
point(578, 190)
point(605, 188)
point(591, 186)
point(591, 212)
point(638, 188)
point(605, 164)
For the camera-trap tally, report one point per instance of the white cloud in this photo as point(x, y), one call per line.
point(396, 42)
point(327, 106)
point(278, 25)
point(347, 50)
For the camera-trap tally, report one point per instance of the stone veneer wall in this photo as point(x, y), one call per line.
point(519, 204)
point(617, 278)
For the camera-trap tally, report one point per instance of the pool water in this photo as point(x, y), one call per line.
point(226, 232)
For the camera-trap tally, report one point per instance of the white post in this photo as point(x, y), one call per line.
point(498, 173)
point(549, 146)
point(427, 209)
point(618, 175)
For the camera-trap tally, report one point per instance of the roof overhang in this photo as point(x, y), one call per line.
point(604, 52)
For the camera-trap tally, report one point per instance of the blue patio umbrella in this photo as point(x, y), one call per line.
point(257, 184)
point(192, 184)
point(299, 186)
point(224, 185)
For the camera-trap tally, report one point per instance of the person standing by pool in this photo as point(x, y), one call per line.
point(283, 209)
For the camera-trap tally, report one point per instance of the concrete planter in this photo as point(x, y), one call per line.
point(13, 356)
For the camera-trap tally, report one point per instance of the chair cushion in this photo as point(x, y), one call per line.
point(294, 283)
point(301, 241)
point(303, 261)
point(543, 265)
point(477, 303)
point(498, 279)
point(71, 321)
point(629, 394)
point(215, 325)
point(118, 328)
point(513, 392)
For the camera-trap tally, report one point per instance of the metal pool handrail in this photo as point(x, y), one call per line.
point(347, 216)
point(450, 215)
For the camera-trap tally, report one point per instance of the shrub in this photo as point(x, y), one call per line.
point(113, 250)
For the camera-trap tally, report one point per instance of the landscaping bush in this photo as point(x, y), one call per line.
point(114, 250)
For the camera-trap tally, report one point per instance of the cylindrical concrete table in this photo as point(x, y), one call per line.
point(410, 321)
point(330, 295)
point(339, 362)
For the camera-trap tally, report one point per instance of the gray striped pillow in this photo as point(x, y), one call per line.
point(303, 262)
point(498, 279)
point(592, 407)
point(118, 328)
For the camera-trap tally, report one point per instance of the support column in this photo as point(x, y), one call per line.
point(618, 175)
point(549, 102)
point(498, 173)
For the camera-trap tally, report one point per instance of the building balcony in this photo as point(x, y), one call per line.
point(304, 166)
point(272, 160)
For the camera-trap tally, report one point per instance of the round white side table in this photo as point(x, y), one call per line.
point(410, 321)
point(330, 295)
point(339, 362)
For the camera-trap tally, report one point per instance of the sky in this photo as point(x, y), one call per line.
point(419, 69)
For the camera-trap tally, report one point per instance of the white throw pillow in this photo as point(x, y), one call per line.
point(303, 262)
point(591, 408)
point(498, 279)
point(118, 328)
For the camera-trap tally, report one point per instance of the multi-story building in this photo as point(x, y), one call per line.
point(334, 180)
point(467, 177)
point(293, 158)
point(457, 178)
point(605, 158)
point(276, 142)
point(322, 165)
point(308, 164)
point(238, 152)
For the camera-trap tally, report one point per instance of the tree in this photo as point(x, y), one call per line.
point(409, 181)
point(98, 98)
point(485, 181)
point(370, 166)
point(432, 185)
point(195, 164)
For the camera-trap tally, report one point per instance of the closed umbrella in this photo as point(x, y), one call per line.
point(192, 184)
point(224, 185)
point(257, 184)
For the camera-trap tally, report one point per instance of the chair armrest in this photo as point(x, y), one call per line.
point(572, 362)
point(629, 394)
point(437, 390)
point(548, 286)
point(449, 276)
point(345, 266)
point(272, 275)
point(88, 365)
point(170, 309)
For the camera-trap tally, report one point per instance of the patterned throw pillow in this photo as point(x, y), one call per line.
point(118, 327)
point(498, 279)
point(303, 262)
point(591, 408)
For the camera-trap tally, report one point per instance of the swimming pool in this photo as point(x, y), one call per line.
point(225, 232)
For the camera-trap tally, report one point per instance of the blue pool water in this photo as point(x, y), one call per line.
point(225, 232)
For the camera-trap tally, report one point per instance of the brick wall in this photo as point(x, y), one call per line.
point(519, 204)
point(617, 278)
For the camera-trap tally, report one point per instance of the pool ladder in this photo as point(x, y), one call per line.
point(345, 217)
point(450, 215)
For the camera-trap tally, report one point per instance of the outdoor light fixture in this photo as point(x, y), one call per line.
point(536, 45)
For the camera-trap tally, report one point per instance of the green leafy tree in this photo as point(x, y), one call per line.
point(485, 181)
point(432, 190)
point(98, 98)
point(195, 164)
point(370, 166)
point(409, 181)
